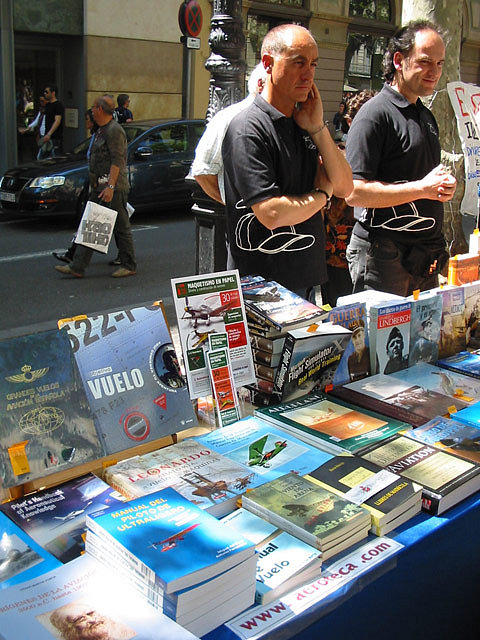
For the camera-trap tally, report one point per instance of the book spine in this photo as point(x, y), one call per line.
point(266, 357)
point(284, 366)
point(267, 373)
point(148, 573)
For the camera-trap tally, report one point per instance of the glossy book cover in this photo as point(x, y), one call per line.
point(46, 423)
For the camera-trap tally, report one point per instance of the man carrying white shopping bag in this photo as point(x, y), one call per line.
point(107, 170)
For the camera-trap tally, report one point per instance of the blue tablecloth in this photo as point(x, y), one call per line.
point(429, 590)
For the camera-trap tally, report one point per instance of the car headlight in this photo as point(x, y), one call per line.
point(47, 182)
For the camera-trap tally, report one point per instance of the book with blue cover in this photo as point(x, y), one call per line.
point(469, 415)
point(177, 543)
point(131, 376)
point(55, 517)
point(263, 448)
point(82, 600)
point(451, 435)
point(465, 362)
point(355, 362)
point(46, 425)
point(21, 558)
point(283, 561)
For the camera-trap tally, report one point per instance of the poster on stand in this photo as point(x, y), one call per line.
point(131, 376)
point(208, 304)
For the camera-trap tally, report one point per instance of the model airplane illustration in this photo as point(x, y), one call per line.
point(242, 483)
point(172, 541)
point(265, 294)
point(205, 312)
point(205, 488)
point(196, 339)
point(256, 455)
point(72, 515)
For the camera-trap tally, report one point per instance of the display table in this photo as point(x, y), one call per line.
point(428, 590)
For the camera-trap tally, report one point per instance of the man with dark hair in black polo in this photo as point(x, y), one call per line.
point(52, 142)
point(397, 244)
point(275, 182)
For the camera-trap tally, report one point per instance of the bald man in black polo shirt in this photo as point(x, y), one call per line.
point(275, 184)
point(397, 244)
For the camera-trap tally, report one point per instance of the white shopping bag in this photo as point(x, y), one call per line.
point(96, 227)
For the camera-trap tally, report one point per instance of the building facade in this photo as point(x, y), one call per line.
point(89, 47)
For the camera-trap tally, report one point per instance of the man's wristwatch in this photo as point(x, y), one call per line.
point(112, 186)
point(327, 204)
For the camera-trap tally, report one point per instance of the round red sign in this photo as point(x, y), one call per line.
point(190, 18)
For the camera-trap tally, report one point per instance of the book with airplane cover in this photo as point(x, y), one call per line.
point(446, 478)
point(207, 304)
point(309, 359)
point(389, 333)
point(425, 326)
point(46, 424)
point(132, 376)
point(472, 314)
point(463, 268)
point(465, 362)
point(319, 517)
point(277, 307)
point(355, 361)
point(390, 499)
point(415, 395)
point(207, 478)
point(453, 329)
point(331, 424)
point(21, 558)
point(55, 517)
point(283, 561)
point(264, 448)
point(158, 532)
point(200, 608)
point(451, 435)
point(81, 600)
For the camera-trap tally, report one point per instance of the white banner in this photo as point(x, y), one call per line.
point(465, 99)
point(96, 227)
point(255, 622)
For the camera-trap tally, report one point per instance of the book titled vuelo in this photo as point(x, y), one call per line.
point(389, 336)
point(309, 359)
point(173, 541)
point(317, 516)
point(446, 478)
point(391, 499)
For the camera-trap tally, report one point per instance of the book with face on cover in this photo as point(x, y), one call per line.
point(453, 329)
point(331, 424)
point(425, 325)
point(389, 332)
point(131, 375)
point(81, 600)
point(355, 361)
point(446, 478)
point(46, 423)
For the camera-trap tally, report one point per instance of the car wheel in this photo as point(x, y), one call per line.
point(80, 206)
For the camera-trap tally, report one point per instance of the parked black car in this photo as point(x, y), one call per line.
point(160, 153)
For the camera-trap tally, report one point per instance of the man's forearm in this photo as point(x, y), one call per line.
point(336, 167)
point(372, 194)
point(283, 211)
point(113, 174)
point(209, 184)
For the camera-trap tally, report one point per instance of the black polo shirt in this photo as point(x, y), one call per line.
point(266, 154)
point(392, 140)
point(53, 109)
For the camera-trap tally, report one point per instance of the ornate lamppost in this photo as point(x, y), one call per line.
point(226, 64)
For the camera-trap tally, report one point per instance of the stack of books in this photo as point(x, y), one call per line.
point(205, 477)
point(272, 311)
point(391, 500)
point(180, 558)
point(463, 268)
point(317, 516)
point(283, 561)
